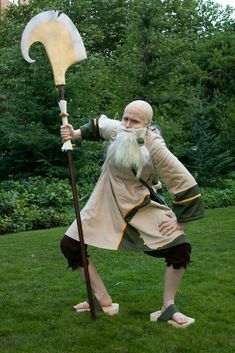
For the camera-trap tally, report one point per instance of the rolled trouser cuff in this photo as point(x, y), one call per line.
point(71, 250)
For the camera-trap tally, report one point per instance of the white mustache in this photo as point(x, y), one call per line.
point(132, 130)
point(127, 152)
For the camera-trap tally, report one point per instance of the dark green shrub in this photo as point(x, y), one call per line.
point(35, 203)
point(214, 198)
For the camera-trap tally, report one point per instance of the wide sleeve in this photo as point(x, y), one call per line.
point(101, 128)
point(187, 204)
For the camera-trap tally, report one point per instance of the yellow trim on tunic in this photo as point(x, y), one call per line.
point(122, 233)
point(186, 200)
point(139, 203)
point(125, 224)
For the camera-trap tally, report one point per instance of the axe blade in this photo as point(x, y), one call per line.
point(61, 39)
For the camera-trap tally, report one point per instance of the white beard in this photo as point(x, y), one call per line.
point(127, 152)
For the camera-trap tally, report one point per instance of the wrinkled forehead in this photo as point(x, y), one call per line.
point(141, 109)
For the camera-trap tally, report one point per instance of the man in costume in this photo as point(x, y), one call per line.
point(120, 213)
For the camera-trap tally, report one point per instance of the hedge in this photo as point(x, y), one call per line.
point(37, 202)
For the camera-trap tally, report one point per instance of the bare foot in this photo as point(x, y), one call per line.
point(179, 318)
point(85, 305)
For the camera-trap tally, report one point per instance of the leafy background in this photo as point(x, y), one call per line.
point(179, 55)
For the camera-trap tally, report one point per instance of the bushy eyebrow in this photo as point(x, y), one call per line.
point(130, 119)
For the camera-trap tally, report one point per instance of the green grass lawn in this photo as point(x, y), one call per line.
point(38, 292)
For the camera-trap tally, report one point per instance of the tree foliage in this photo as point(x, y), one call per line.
point(177, 54)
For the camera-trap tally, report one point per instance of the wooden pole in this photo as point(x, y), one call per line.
point(79, 222)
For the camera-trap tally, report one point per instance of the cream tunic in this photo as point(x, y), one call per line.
point(118, 191)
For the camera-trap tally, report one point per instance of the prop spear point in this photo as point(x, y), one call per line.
point(64, 47)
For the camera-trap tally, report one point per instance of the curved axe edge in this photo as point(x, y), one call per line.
point(61, 39)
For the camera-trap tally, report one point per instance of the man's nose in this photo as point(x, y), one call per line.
point(128, 124)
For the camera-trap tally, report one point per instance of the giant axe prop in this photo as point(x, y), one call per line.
point(64, 47)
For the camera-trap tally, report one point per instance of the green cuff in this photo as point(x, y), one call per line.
point(90, 131)
point(188, 205)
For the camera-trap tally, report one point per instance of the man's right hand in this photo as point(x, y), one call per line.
point(67, 131)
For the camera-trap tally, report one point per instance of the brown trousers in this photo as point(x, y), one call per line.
point(178, 255)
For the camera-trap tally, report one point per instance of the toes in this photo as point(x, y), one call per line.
point(83, 305)
point(180, 318)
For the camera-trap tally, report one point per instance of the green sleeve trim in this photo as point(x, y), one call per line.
point(90, 131)
point(188, 205)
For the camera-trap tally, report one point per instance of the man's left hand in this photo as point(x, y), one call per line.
point(170, 225)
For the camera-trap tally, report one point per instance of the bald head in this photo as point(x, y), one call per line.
point(140, 109)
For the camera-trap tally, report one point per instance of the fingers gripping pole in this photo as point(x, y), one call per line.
point(67, 145)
